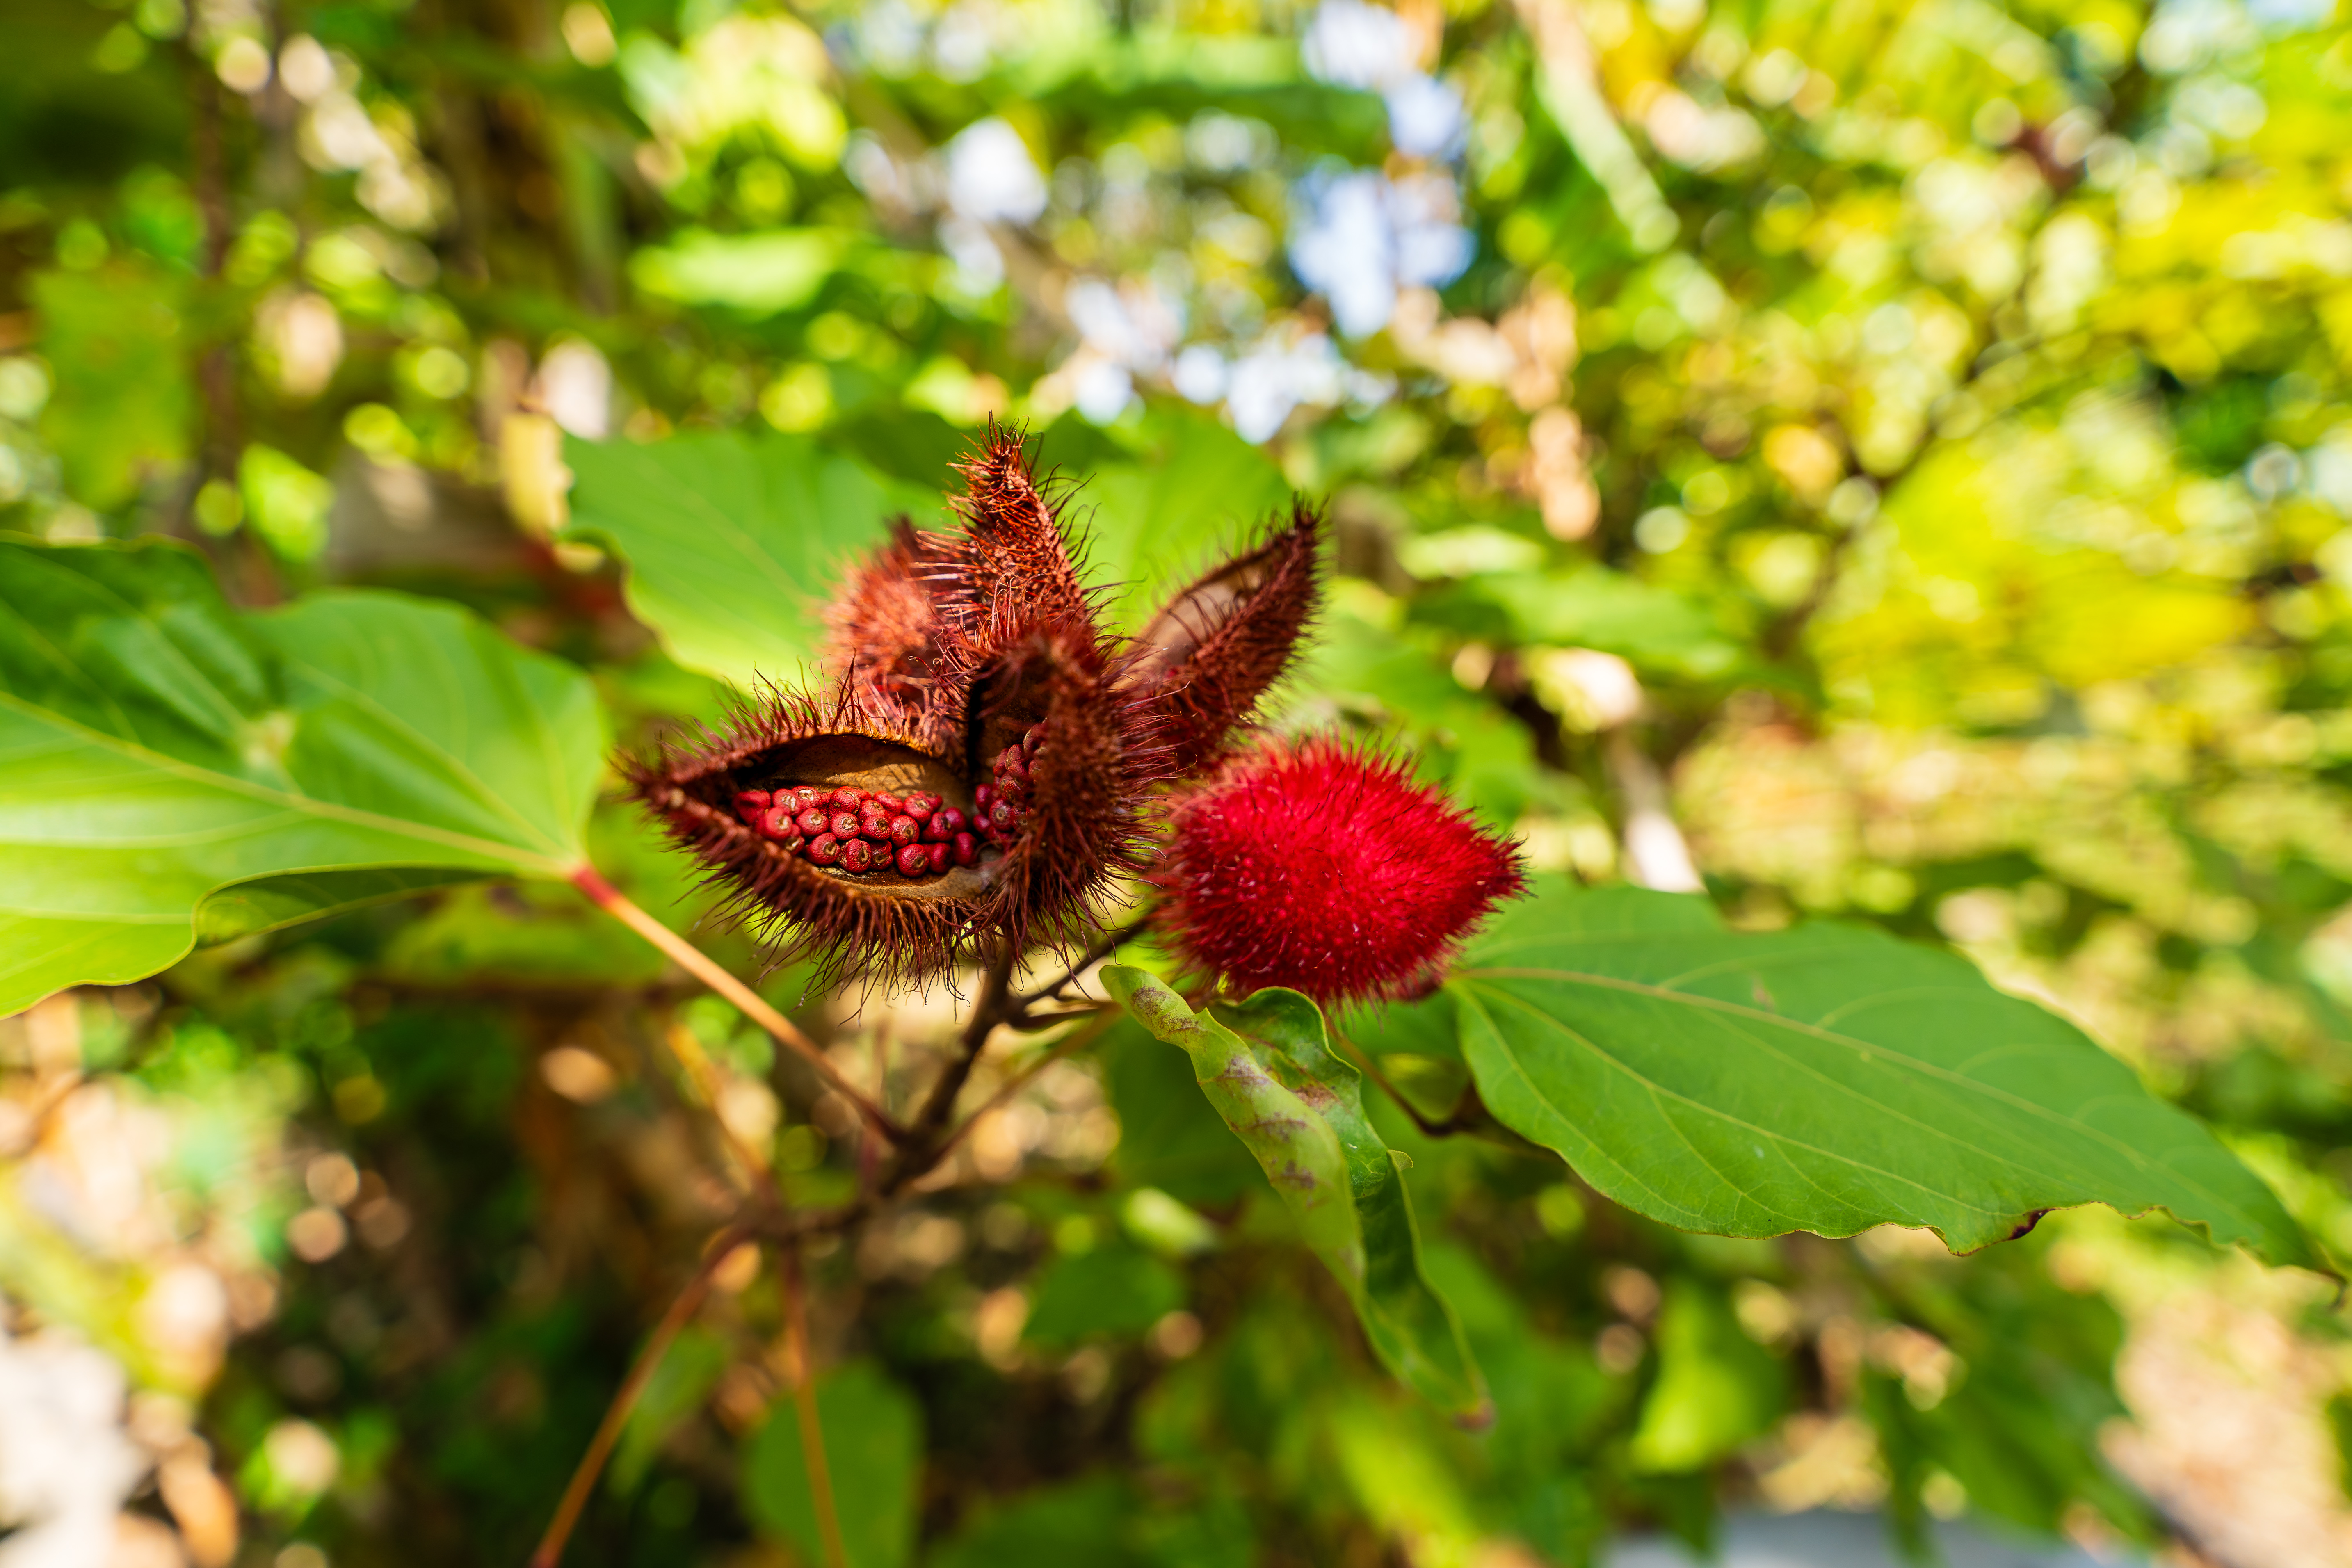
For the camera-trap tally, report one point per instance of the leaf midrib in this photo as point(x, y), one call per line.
point(302, 803)
point(1888, 1056)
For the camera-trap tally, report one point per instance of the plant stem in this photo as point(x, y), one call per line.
point(995, 1005)
point(616, 1414)
point(1077, 1039)
point(752, 1005)
point(759, 1172)
point(803, 1374)
point(1104, 946)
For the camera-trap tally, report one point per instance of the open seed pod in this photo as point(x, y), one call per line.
point(740, 801)
point(1011, 572)
point(987, 763)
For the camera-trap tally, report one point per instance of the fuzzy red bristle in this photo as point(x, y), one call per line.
point(1330, 870)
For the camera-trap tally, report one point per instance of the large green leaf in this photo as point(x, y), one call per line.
point(1827, 1078)
point(874, 1455)
point(733, 542)
point(1267, 1068)
point(162, 748)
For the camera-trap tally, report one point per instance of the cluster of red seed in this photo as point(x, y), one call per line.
point(1001, 805)
point(917, 834)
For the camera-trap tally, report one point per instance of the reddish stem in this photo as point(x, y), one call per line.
point(752, 1005)
point(617, 1414)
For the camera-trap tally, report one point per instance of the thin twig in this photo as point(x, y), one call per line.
point(804, 1375)
point(758, 1171)
point(993, 1006)
point(1443, 1128)
point(1108, 943)
point(752, 1005)
point(617, 1414)
point(1077, 1039)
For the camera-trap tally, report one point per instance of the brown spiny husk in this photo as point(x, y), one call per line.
point(1217, 646)
point(1092, 779)
point(1009, 573)
point(873, 924)
point(883, 637)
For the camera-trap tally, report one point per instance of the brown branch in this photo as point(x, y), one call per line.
point(616, 1414)
point(995, 1005)
point(1077, 1039)
point(1104, 946)
point(752, 1005)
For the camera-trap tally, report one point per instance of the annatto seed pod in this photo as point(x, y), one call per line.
point(988, 758)
point(1327, 869)
point(840, 898)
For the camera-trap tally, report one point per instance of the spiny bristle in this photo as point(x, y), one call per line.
point(1082, 793)
point(1011, 572)
point(883, 634)
point(1330, 870)
point(1217, 648)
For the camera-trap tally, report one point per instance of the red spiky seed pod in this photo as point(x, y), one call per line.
point(1330, 870)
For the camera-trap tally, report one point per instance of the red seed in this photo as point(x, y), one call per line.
point(1003, 816)
point(812, 821)
point(904, 829)
point(886, 800)
point(846, 796)
point(981, 796)
point(1036, 737)
point(808, 795)
point(858, 855)
point(951, 819)
point(843, 825)
point(921, 806)
point(776, 822)
point(967, 849)
point(874, 826)
point(826, 849)
point(935, 831)
point(1010, 766)
point(747, 801)
point(936, 854)
point(912, 860)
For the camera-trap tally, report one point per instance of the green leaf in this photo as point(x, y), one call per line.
point(680, 1382)
point(1267, 1068)
point(273, 903)
point(733, 542)
point(874, 1453)
point(163, 748)
point(1085, 1523)
point(1168, 1136)
point(1825, 1078)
